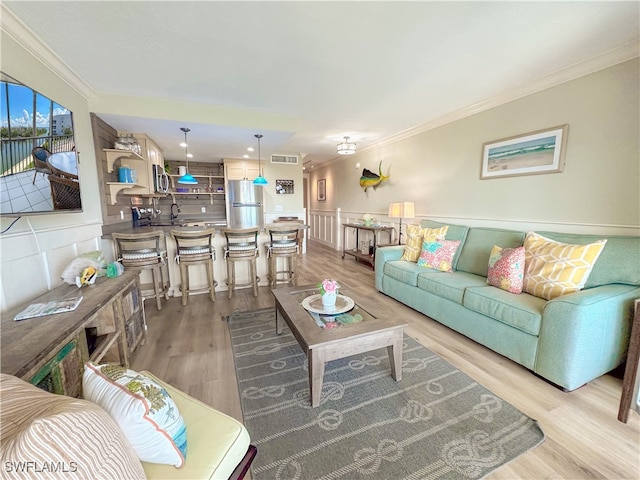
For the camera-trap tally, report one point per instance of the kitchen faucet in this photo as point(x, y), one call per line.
point(174, 215)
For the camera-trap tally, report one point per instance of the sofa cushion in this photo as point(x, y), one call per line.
point(73, 435)
point(403, 271)
point(454, 232)
point(217, 442)
point(451, 287)
point(523, 312)
point(555, 268)
point(438, 254)
point(142, 408)
point(474, 256)
point(506, 268)
point(414, 238)
point(619, 261)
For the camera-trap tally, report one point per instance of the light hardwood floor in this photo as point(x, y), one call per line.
point(189, 347)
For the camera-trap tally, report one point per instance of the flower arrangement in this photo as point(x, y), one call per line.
point(328, 286)
point(368, 219)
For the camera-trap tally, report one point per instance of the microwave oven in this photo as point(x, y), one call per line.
point(160, 179)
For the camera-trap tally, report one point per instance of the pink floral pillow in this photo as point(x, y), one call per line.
point(438, 254)
point(506, 268)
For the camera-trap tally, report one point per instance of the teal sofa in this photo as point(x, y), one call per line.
point(569, 340)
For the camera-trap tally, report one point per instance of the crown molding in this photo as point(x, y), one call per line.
point(607, 59)
point(27, 39)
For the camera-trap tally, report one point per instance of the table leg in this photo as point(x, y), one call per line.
point(395, 357)
point(316, 375)
point(279, 321)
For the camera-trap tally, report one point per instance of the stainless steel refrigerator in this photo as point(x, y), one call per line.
point(246, 208)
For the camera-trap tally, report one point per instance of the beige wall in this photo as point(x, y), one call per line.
point(439, 169)
point(36, 249)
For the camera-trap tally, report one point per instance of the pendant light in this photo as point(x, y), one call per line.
point(187, 178)
point(259, 180)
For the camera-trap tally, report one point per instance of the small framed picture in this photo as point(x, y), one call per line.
point(322, 190)
point(284, 187)
point(528, 154)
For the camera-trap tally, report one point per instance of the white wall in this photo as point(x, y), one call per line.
point(439, 170)
point(36, 249)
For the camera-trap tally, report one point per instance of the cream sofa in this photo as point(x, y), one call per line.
point(44, 435)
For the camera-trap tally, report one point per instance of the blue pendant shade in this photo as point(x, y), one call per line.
point(259, 180)
point(187, 178)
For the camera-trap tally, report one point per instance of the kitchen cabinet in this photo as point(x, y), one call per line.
point(240, 170)
point(153, 156)
point(50, 351)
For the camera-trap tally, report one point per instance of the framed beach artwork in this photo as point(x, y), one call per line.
point(529, 154)
point(322, 190)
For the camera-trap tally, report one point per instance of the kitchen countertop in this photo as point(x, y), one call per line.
point(187, 224)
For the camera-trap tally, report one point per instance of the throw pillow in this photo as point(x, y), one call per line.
point(45, 435)
point(142, 408)
point(506, 268)
point(554, 268)
point(438, 255)
point(415, 237)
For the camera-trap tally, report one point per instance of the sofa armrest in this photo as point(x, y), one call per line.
point(585, 334)
point(383, 255)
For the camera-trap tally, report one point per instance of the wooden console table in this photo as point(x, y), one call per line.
point(368, 258)
point(50, 351)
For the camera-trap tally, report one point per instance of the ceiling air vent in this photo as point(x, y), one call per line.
point(290, 159)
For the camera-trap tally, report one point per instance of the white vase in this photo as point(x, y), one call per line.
point(329, 299)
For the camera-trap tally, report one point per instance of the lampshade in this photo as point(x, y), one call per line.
point(187, 178)
point(259, 180)
point(346, 147)
point(402, 210)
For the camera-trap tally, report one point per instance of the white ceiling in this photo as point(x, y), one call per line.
point(305, 74)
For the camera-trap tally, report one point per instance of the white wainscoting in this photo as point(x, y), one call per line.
point(325, 226)
point(33, 261)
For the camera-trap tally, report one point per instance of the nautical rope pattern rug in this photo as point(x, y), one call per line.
point(435, 423)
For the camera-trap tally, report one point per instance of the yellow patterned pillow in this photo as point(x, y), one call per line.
point(553, 268)
point(415, 236)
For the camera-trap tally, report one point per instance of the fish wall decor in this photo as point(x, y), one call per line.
point(370, 179)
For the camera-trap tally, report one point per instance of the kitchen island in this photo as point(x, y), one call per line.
point(197, 275)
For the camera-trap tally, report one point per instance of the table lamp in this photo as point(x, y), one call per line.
point(401, 210)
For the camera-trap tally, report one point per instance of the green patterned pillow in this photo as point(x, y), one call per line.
point(416, 235)
point(143, 410)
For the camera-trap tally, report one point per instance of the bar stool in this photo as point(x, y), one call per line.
point(195, 248)
point(284, 245)
point(301, 226)
point(144, 251)
point(242, 246)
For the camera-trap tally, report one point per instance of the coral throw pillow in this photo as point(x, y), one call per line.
point(438, 255)
point(554, 268)
point(416, 236)
point(506, 268)
point(143, 410)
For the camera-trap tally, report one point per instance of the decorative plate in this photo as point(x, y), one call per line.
point(313, 304)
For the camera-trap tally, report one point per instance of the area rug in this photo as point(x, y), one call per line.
point(435, 423)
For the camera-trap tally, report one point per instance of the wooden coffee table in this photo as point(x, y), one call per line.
point(323, 345)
